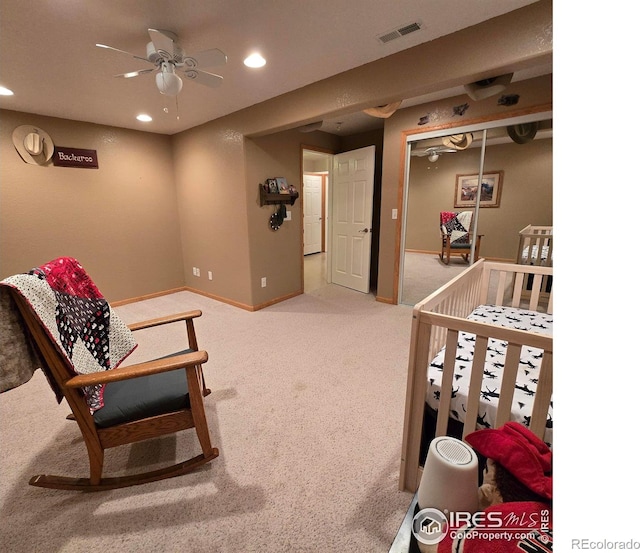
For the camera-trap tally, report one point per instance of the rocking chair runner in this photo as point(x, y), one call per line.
point(141, 401)
point(455, 229)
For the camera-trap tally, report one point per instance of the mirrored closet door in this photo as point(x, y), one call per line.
point(515, 157)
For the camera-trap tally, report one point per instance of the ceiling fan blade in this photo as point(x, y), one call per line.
point(131, 74)
point(206, 58)
point(164, 43)
point(421, 152)
point(122, 52)
point(202, 77)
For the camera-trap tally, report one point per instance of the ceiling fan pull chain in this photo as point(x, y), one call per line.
point(177, 111)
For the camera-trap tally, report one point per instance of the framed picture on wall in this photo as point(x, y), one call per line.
point(467, 190)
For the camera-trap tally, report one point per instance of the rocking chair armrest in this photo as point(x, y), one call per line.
point(186, 316)
point(185, 360)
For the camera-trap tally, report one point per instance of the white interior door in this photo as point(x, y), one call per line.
point(312, 216)
point(352, 212)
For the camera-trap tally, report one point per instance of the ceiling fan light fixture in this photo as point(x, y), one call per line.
point(170, 63)
point(167, 81)
point(433, 157)
point(255, 60)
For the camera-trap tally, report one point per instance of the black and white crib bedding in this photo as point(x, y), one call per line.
point(528, 370)
point(534, 253)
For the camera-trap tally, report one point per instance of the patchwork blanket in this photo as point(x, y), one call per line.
point(456, 225)
point(89, 335)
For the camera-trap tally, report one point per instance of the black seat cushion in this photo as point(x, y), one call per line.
point(460, 246)
point(145, 396)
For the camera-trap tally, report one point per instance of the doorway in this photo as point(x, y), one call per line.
point(316, 167)
point(338, 197)
point(314, 212)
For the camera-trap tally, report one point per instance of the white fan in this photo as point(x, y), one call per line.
point(170, 61)
point(433, 152)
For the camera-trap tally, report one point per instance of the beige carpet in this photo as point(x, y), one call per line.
point(307, 410)
point(424, 273)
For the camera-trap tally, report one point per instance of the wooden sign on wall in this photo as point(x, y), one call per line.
point(74, 157)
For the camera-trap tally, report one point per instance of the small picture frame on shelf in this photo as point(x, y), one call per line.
point(272, 186)
point(283, 186)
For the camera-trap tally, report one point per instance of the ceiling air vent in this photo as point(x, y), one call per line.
point(400, 32)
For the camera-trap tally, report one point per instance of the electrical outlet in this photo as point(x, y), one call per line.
point(264, 282)
point(288, 217)
point(394, 213)
point(210, 275)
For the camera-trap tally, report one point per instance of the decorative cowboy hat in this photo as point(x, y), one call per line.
point(520, 452)
point(33, 144)
point(486, 88)
point(458, 141)
point(383, 112)
point(521, 134)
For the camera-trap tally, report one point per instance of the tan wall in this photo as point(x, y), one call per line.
point(212, 201)
point(527, 195)
point(277, 255)
point(120, 221)
point(224, 228)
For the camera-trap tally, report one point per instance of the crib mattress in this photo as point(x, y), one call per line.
point(528, 371)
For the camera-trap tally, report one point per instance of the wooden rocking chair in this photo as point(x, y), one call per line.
point(141, 401)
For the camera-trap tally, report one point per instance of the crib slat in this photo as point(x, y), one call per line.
point(447, 383)
point(509, 374)
point(475, 384)
point(517, 289)
point(535, 292)
point(502, 278)
point(540, 410)
point(549, 261)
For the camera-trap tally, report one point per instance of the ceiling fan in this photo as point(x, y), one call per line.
point(433, 152)
point(170, 61)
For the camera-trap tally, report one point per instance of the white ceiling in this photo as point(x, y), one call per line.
point(49, 59)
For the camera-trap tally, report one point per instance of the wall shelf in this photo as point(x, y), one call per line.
point(267, 198)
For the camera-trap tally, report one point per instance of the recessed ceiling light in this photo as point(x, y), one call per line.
point(5, 91)
point(144, 117)
point(255, 60)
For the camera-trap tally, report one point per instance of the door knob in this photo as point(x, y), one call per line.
point(364, 230)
